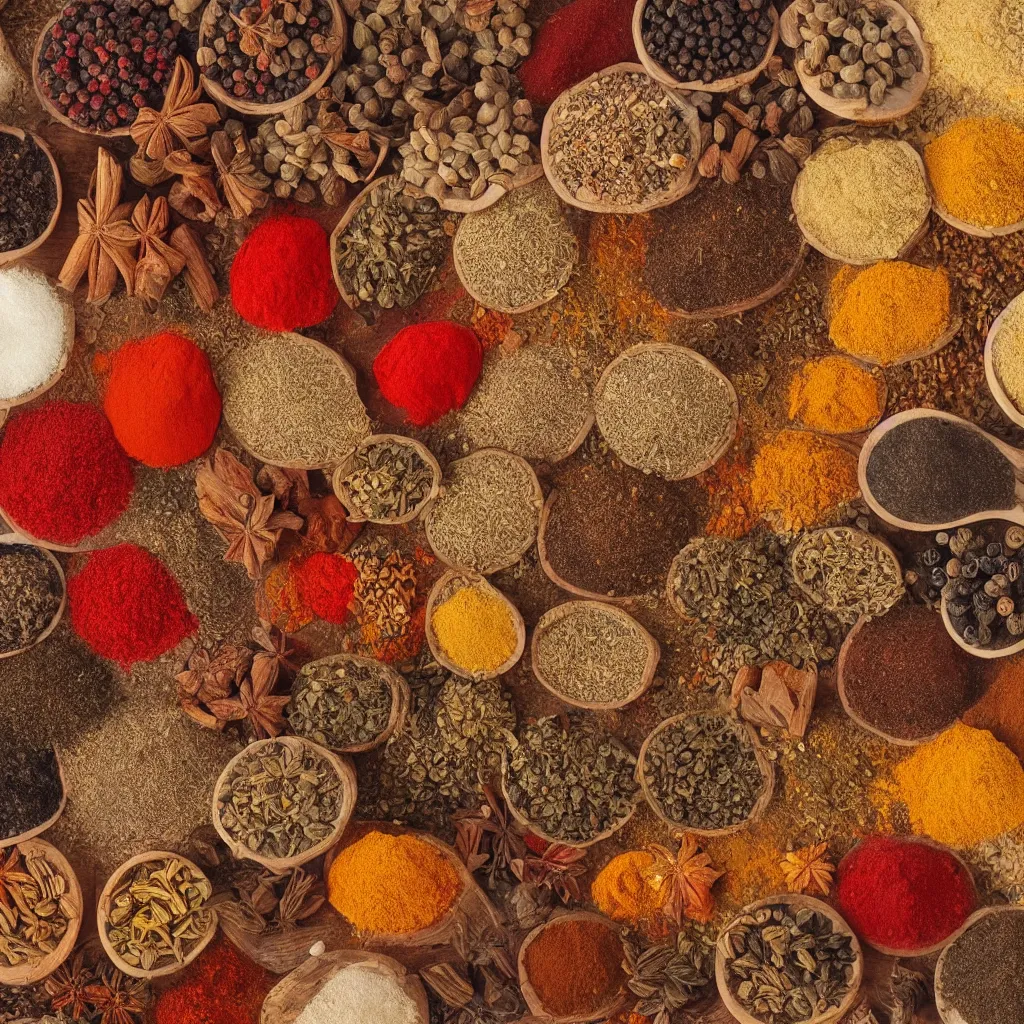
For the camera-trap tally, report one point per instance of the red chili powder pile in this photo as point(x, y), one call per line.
point(902, 894)
point(162, 400)
point(63, 476)
point(324, 584)
point(127, 607)
point(429, 369)
point(281, 277)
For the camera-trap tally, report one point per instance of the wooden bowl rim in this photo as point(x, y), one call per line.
point(687, 181)
point(103, 907)
point(12, 540)
point(985, 653)
point(567, 608)
point(32, 973)
point(341, 492)
point(450, 204)
point(343, 769)
point(677, 352)
point(995, 385)
point(14, 255)
point(766, 767)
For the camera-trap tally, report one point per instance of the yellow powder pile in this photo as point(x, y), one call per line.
point(625, 889)
point(835, 395)
point(475, 630)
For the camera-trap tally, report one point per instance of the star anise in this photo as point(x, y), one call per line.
point(67, 987)
point(256, 702)
point(159, 262)
point(809, 869)
point(289, 486)
point(274, 641)
point(244, 186)
point(558, 868)
point(259, 32)
point(116, 998)
point(211, 676)
point(489, 836)
point(195, 195)
point(105, 247)
point(690, 876)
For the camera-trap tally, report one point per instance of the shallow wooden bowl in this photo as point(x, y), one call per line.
point(345, 772)
point(216, 92)
point(54, 623)
point(346, 467)
point(530, 994)
point(986, 653)
point(663, 76)
point(794, 902)
point(1003, 400)
point(756, 812)
point(34, 972)
point(13, 255)
point(686, 182)
point(289, 997)
point(32, 833)
point(450, 583)
point(899, 101)
point(104, 906)
point(549, 618)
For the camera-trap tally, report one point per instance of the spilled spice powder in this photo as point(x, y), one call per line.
point(835, 395)
point(624, 889)
point(1001, 709)
point(727, 484)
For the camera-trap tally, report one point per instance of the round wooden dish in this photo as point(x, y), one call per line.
point(885, 549)
point(103, 915)
point(346, 467)
point(767, 773)
point(688, 177)
point(987, 653)
point(995, 385)
point(490, 196)
point(13, 255)
point(39, 829)
point(665, 77)
point(338, 35)
point(36, 970)
point(450, 583)
point(936, 947)
point(350, 211)
point(948, 1013)
point(676, 351)
point(290, 996)
point(54, 623)
point(899, 101)
point(343, 769)
point(794, 902)
point(530, 994)
point(549, 618)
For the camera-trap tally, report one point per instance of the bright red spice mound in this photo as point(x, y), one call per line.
point(281, 278)
point(429, 369)
point(63, 476)
point(127, 607)
point(162, 400)
point(575, 42)
point(903, 895)
point(325, 583)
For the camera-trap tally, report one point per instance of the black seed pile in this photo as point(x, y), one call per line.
point(28, 192)
point(30, 784)
point(932, 470)
point(982, 975)
point(704, 42)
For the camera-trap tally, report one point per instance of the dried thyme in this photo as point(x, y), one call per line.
point(36, 910)
point(30, 594)
point(387, 480)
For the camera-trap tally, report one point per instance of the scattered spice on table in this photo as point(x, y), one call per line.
point(575, 967)
point(392, 884)
point(126, 605)
point(31, 592)
point(934, 470)
point(38, 909)
point(389, 480)
point(1008, 352)
point(889, 311)
point(281, 276)
point(902, 894)
point(1001, 708)
point(475, 629)
point(162, 400)
point(28, 191)
point(32, 787)
point(289, 399)
point(627, 889)
point(429, 369)
point(325, 584)
point(835, 395)
point(862, 201)
point(361, 994)
point(63, 476)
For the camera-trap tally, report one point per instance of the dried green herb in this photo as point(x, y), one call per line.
point(30, 594)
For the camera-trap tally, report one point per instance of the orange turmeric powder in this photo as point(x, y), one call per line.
point(835, 396)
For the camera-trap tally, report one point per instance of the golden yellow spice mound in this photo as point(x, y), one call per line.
point(387, 884)
point(976, 168)
point(835, 395)
point(625, 890)
point(752, 863)
point(800, 479)
point(889, 310)
point(475, 630)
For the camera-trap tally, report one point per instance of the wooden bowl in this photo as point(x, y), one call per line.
point(986, 653)
point(948, 1013)
point(338, 34)
point(936, 947)
point(549, 618)
point(345, 468)
point(34, 972)
point(663, 76)
point(756, 812)
point(688, 177)
point(498, 564)
point(103, 916)
point(794, 902)
point(676, 351)
point(452, 204)
point(289, 997)
point(400, 699)
point(450, 583)
point(32, 833)
point(899, 101)
point(54, 623)
point(530, 994)
point(13, 255)
point(343, 768)
point(1003, 400)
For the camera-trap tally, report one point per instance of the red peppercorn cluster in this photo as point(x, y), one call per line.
point(106, 61)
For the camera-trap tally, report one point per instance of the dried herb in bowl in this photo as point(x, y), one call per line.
point(31, 786)
point(31, 592)
point(388, 479)
point(36, 911)
point(28, 191)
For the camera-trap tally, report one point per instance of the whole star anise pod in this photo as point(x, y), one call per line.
point(558, 868)
point(67, 987)
point(243, 185)
point(259, 31)
point(211, 676)
point(159, 262)
point(116, 998)
point(256, 702)
point(689, 875)
point(809, 869)
point(488, 835)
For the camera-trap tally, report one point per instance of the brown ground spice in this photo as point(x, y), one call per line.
point(1001, 710)
point(721, 244)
